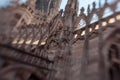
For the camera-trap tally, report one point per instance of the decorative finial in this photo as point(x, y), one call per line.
point(106, 1)
point(61, 11)
point(82, 10)
point(99, 3)
point(94, 5)
point(88, 9)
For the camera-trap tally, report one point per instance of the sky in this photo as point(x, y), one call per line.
point(85, 3)
point(4, 3)
point(82, 3)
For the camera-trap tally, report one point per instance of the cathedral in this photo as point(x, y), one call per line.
point(40, 41)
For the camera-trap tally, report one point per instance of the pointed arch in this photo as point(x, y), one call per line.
point(107, 11)
point(94, 18)
point(118, 7)
point(12, 70)
point(81, 20)
point(58, 24)
point(82, 24)
point(112, 38)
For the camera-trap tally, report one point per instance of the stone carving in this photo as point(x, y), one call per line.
point(66, 45)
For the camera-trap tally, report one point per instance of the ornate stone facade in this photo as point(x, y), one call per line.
point(60, 45)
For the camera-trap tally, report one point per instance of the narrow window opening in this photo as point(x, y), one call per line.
point(34, 77)
point(114, 60)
